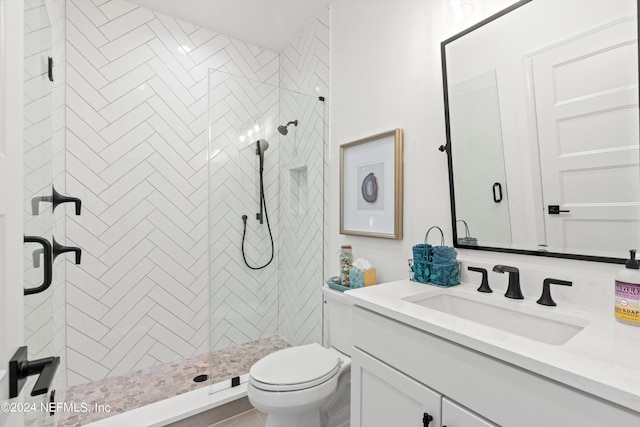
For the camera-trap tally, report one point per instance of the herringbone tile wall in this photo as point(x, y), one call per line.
point(304, 68)
point(136, 154)
point(284, 297)
point(136, 119)
point(301, 234)
point(243, 302)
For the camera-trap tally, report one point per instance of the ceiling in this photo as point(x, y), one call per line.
point(271, 24)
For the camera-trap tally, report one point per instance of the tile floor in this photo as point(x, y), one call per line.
point(140, 388)
point(252, 418)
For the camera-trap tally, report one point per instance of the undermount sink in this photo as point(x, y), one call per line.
point(516, 321)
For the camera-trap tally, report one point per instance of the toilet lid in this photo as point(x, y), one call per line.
point(295, 368)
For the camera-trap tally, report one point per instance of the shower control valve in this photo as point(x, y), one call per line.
point(60, 249)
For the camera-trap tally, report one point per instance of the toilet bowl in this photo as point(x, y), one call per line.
point(293, 386)
point(308, 385)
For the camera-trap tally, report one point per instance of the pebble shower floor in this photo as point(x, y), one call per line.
point(130, 391)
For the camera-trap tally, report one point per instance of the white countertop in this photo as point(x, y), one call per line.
point(603, 359)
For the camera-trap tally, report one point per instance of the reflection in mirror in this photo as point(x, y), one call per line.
point(542, 126)
point(481, 178)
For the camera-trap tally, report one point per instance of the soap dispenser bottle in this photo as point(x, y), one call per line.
point(627, 307)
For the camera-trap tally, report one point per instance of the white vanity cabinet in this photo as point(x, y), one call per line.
point(400, 372)
point(454, 415)
point(385, 397)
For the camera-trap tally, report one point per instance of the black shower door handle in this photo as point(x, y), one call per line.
point(47, 264)
point(497, 195)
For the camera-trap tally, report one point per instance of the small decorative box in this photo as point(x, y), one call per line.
point(359, 278)
point(370, 277)
point(356, 278)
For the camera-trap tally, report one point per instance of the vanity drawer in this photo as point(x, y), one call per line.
point(501, 392)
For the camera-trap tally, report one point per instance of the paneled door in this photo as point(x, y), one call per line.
point(587, 123)
point(482, 200)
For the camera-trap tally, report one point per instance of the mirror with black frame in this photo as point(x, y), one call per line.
point(541, 109)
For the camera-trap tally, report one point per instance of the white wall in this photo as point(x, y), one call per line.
point(386, 73)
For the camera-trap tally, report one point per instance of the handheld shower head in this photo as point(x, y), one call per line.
point(283, 128)
point(261, 146)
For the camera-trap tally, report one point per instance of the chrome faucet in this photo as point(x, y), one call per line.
point(513, 291)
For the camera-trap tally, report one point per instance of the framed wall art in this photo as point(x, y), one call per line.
point(371, 186)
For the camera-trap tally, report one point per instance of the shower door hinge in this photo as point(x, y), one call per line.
point(52, 403)
point(235, 381)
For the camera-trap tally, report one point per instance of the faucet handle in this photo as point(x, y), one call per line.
point(484, 285)
point(545, 298)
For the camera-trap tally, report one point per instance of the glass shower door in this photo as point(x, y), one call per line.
point(38, 219)
point(301, 198)
point(253, 312)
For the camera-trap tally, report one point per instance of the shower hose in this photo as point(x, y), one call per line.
point(263, 202)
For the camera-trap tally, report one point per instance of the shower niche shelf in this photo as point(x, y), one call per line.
point(298, 193)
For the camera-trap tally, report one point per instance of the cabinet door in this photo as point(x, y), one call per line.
point(454, 415)
point(383, 397)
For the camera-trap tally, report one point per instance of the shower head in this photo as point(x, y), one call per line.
point(283, 128)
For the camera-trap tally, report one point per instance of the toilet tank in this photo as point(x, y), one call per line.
point(337, 330)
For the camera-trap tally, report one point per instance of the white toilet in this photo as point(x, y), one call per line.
point(309, 385)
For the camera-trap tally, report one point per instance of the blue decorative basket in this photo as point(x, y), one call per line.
point(425, 270)
point(445, 274)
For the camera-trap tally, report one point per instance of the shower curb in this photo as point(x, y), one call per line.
point(174, 409)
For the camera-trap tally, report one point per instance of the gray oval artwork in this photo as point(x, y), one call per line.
point(370, 188)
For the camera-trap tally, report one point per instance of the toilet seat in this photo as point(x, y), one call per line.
point(295, 368)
